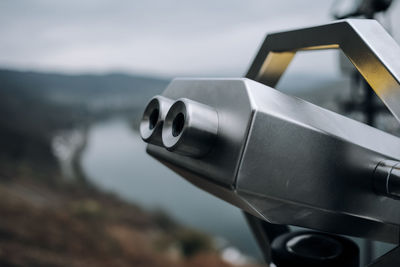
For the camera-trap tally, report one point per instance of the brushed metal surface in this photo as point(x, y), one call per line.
point(294, 163)
point(302, 162)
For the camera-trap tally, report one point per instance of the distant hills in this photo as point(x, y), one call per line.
point(35, 106)
point(116, 91)
point(47, 101)
point(97, 91)
point(41, 103)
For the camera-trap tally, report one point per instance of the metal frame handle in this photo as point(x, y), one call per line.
point(365, 42)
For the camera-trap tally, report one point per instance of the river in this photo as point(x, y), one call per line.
point(116, 161)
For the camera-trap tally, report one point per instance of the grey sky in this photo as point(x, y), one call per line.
point(170, 37)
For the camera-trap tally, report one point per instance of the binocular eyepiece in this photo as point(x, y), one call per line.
point(153, 119)
point(185, 126)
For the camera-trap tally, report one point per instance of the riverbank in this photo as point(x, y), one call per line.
point(75, 225)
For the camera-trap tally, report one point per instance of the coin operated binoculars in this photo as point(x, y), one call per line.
point(285, 161)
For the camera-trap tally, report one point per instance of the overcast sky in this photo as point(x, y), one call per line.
point(164, 37)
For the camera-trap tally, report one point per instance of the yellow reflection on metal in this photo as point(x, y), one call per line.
point(277, 62)
point(274, 65)
point(377, 76)
point(321, 47)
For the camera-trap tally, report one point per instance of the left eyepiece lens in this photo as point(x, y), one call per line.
point(153, 119)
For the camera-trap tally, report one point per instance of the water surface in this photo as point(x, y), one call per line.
point(115, 160)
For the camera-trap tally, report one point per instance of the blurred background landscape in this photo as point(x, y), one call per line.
point(76, 186)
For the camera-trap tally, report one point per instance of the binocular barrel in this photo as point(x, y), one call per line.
point(278, 157)
point(185, 126)
point(190, 128)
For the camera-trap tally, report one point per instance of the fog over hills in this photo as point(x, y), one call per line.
point(117, 91)
point(112, 91)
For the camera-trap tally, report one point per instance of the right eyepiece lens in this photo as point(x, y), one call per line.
point(177, 124)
